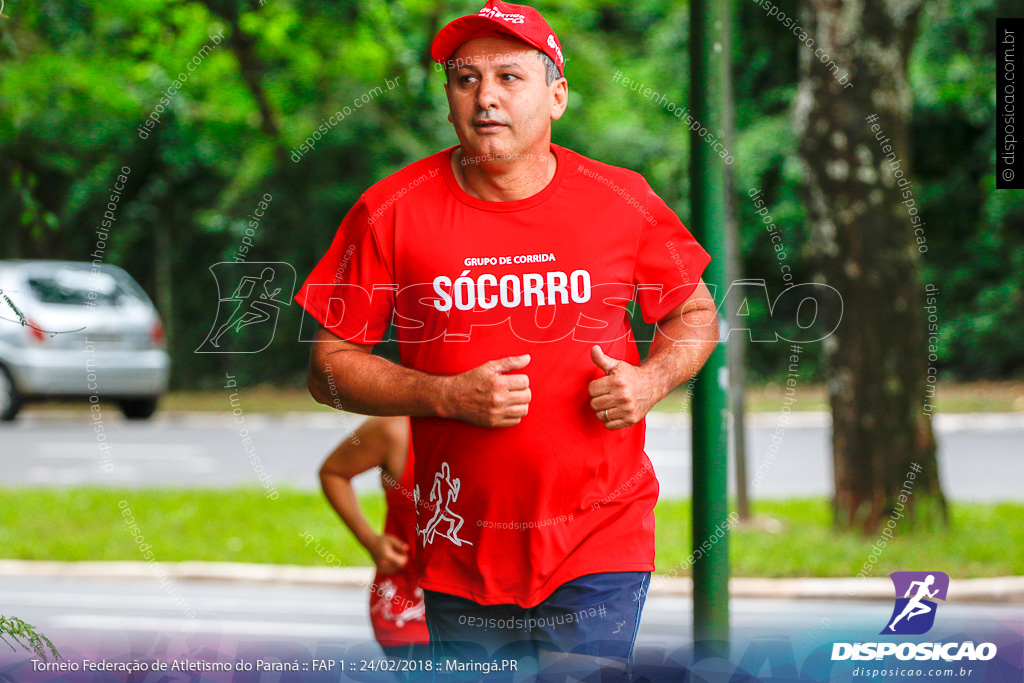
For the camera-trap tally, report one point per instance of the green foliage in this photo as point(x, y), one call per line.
point(975, 237)
point(14, 631)
point(77, 81)
point(10, 304)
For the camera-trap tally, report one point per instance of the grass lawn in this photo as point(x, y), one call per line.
point(974, 397)
point(240, 525)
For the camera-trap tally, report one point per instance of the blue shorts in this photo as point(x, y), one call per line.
point(596, 615)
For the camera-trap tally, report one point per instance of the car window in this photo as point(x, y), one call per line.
point(72, 286)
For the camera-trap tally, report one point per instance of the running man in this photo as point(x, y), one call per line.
point(916, 605)
point(443, 485)
point(506, 263)
point(252, 304)
point(396, 602)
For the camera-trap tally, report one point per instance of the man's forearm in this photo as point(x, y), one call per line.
point(339, 493)
point(679, 350)
point(352, 381)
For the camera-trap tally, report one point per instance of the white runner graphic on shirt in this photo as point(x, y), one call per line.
point(413, 612)
point(442, 513)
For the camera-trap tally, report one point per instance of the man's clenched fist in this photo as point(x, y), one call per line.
point(488, 397)
point(389, 553)
point(623, 396)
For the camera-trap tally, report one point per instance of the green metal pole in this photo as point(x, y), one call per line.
point(708, 50)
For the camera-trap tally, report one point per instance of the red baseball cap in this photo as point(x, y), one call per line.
point(518, 21)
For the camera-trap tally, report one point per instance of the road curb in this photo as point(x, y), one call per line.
point(1001, 589)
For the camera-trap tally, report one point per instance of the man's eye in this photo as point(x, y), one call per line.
point(508, 77)
point(465, 79)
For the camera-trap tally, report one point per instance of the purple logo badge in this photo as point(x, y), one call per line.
point(915, 608)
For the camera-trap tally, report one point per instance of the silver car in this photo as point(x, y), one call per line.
point(92, 334)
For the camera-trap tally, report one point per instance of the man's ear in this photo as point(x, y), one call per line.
point(560, 92)
point(448, 95)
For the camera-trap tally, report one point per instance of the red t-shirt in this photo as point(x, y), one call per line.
point(396, 602)
point(507, 515)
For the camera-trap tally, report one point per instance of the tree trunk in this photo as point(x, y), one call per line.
point(864, 245)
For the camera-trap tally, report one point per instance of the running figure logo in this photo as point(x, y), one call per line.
point(255, 302)
point(443, 484)
point(914, 613)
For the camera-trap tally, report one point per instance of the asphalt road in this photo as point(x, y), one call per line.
point(112, 616)
point(979, 455)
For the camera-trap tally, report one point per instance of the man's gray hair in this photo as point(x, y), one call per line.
point(550, 70)
point(549, 67)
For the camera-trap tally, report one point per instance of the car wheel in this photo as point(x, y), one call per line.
point(138, 408)
point(10, 398)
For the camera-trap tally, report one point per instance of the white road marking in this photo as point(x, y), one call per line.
point(269, 629)
point(87, 450)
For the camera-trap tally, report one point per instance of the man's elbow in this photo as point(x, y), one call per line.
point(315, 381)
point(326, 472)
point(710, 334)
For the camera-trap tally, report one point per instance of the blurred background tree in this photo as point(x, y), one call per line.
point(853, 142)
